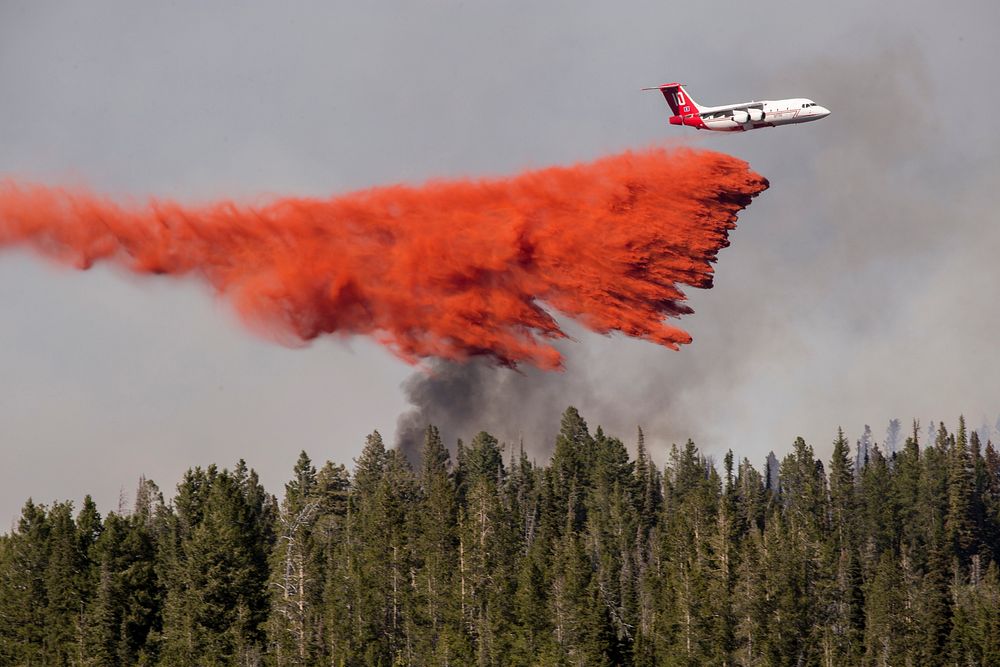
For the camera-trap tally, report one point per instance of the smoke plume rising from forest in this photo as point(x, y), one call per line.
point(849, 275)
point(449, 270)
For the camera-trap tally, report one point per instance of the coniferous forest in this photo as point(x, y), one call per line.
point(489, 558)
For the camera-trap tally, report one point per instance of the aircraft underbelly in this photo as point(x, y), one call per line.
point(724, 125)
point(727, 125)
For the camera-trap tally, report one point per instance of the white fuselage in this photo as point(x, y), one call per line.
point(766, 113)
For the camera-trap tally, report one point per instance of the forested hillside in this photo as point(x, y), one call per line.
point(489, 558)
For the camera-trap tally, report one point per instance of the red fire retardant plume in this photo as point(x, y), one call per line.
point(448, 269)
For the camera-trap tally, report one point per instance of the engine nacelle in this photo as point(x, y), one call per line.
point(741, 116)
point(756, 115)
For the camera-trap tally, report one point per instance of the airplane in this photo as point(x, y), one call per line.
point(737, 117)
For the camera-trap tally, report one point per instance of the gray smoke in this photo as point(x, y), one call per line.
point(893, 437)
point(853, 293)
point(516, 405)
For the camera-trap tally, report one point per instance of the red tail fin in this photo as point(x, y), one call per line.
point(685, 110)
point(678, 99)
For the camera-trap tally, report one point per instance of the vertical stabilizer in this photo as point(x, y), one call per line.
point(685, 110)
point(678, 99)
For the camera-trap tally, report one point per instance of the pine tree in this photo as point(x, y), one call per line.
point(649, 485)
point(984, 637)
point(435, 550)
point(122, 620)
point(790, 563)
point(296, 578)
point(752, 607)
point(883, 602)
point(981, 525)
point(571, 466)
point(841, 639)
point(878, 513)
point(216, 600)
point(487, 548)
point(88, 525)
point(751, 498)
point(930, 612)
point(803, 488)
point(533, 622)
point(695, 591)
point(991, 503)
point(65, 585)
point(610, 535)
point(331, 535)
point(842, 491)
point(580, 625)
point(959, 524)
point(101, 630)
point(906, 491)
point(378, 558)
point(23, 590)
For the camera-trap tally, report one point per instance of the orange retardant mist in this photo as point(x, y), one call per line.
point(449, 269)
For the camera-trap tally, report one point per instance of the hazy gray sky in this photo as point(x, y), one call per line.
point(861, 286)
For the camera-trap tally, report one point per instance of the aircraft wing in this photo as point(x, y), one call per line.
point(734, 107)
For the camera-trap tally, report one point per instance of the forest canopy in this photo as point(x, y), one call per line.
point(482, 556)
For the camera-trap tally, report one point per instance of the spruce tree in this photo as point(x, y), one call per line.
point(23, 594)
point(378, 558)
point(487, 548)
point(65, 584)
point(842, 491)
point(216, 600)
point(571, 466)
point(435, 553)
point(882, 623)
point(959, 524)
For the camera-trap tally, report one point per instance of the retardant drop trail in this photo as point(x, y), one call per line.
point(449, 269)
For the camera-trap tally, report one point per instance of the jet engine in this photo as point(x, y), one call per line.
point(740, 116)
point(756, 115)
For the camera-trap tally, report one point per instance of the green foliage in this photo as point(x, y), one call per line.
point(489, 559)
point(216, 572)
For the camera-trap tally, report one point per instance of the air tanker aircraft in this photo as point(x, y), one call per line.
point(737, 117)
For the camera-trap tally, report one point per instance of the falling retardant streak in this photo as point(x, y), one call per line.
point(448, 269)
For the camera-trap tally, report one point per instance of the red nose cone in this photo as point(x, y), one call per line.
point(675, 120)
